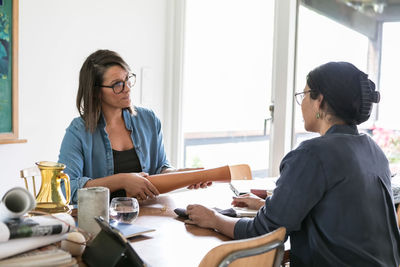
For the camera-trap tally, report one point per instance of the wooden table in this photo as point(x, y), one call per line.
point(175, 243)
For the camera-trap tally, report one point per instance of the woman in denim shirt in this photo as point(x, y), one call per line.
point(112, 144)
point(334, 193)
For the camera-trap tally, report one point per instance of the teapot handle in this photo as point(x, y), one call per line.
point(65, 177)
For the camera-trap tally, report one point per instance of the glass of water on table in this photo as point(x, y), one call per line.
point(124, 209)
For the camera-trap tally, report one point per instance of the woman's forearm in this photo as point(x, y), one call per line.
point(134, 184)
point(112, 182)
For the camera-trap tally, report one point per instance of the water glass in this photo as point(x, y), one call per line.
point(124, 209)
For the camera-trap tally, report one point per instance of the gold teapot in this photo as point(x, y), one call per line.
point(50, 198)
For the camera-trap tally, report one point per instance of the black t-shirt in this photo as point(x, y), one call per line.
point(125, 162)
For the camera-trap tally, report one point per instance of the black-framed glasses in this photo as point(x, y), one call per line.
point(300, 96)
point(119, 87)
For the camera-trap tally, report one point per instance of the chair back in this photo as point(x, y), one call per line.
point(240, 172)
point(266, 250)
point(31, 172)
point(398, 215)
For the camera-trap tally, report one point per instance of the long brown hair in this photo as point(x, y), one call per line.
point(88, 100)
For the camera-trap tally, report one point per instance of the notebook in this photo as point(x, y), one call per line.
point(130, 230)
point(245, 212)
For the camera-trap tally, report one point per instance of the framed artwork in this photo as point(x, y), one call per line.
point(9, 72)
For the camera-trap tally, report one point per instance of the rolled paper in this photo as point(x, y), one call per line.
point(167, 182)
point(15, 203)
point(92, 201)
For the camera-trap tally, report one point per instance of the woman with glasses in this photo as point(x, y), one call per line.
point(112, 144)
point(334, 193)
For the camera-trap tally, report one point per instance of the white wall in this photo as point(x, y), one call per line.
point(55, 37)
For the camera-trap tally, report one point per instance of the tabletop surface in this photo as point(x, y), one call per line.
point(175, 243)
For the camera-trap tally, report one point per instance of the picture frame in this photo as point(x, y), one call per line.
point(9, 72)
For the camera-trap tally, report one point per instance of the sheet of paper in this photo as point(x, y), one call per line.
point(244, 186)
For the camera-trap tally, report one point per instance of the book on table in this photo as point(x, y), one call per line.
point(245, 212)
point(46, 256)
point(130, 230)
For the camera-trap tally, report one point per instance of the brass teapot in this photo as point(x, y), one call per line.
point(50, 198)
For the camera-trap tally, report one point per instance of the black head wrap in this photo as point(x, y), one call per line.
point(346, 89)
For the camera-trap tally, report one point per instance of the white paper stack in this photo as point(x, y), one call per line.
point(19, 234)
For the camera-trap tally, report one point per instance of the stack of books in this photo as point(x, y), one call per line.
point(49, 255)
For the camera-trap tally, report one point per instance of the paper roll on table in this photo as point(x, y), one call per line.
point(15, 203)
point(167, 182)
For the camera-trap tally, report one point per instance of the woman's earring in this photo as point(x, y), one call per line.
point(318, 115)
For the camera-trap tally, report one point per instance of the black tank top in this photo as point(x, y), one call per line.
point(125, 162)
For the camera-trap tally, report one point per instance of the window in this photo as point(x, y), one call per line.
point(330, 41)
point(226, 83)
point(387, 130)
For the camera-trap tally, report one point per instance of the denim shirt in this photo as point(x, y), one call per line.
point(334, 198)
point(89, 155)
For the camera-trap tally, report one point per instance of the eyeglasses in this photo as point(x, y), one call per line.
point(119, 87)
point(300, 96)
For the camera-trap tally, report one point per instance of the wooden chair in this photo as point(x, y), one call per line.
point(266, 250)
point(240, 172)
point(398, 214)
point(31, 172)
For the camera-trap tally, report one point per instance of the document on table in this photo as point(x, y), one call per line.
point(240, 187)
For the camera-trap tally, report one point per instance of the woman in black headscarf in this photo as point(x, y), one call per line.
point(334, 193)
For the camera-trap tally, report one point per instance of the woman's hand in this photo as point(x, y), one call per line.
point(200, 185)
point(248, 200)
point(136, 185)
point(202, 216)
point(193, 186)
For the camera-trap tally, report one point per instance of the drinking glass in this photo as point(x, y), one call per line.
point(124, 209)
